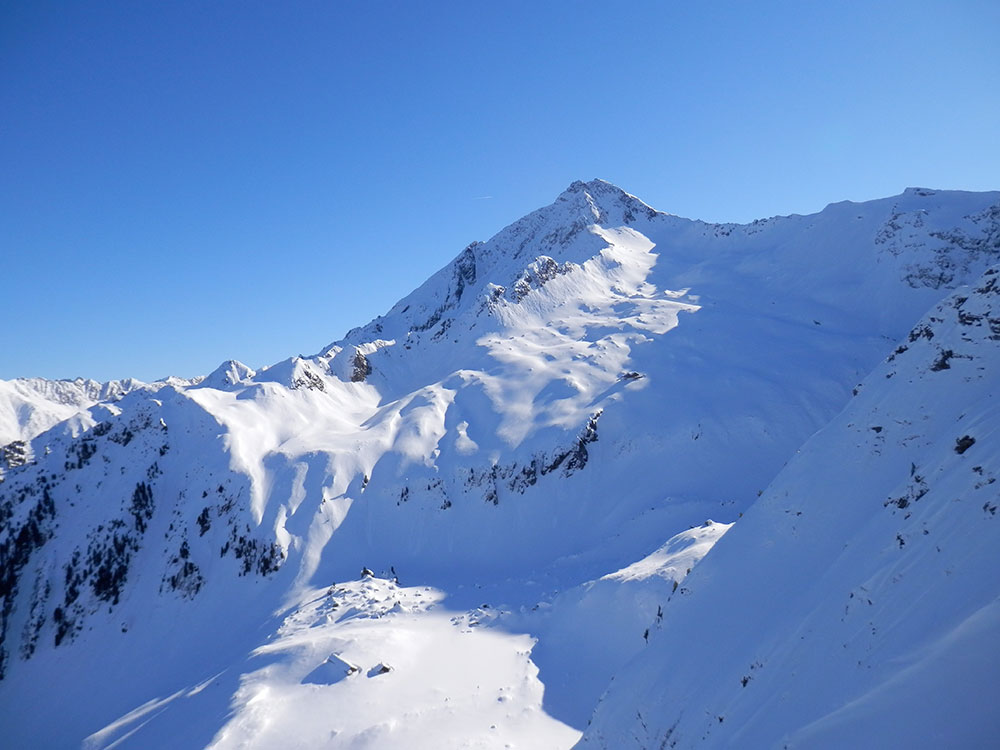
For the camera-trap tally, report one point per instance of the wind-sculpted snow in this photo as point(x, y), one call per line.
point(572, 398)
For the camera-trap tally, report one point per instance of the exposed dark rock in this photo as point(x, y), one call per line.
point(141, 506)
point(465, 270)
point(204, 521)
point(13, 454)
point(17, 547)
point(362, 368)
point(83, 449)
point(921, 331)
point(187, 579)
point(108, 560)
point(535, 276)
point(255, 555)
point(306, 378)
point(519, 478)
point(963, 444)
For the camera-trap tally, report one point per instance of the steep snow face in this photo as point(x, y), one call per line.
point(544, 411)
point(857, 587)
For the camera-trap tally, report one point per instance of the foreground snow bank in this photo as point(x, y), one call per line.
point(369, 664)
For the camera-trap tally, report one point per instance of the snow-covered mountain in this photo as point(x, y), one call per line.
point(30, 406)
point(527, 456)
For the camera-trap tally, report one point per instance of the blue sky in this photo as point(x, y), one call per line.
point(186, 182)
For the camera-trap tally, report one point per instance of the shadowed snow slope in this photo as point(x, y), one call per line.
point(531, 443)
point(854, 605)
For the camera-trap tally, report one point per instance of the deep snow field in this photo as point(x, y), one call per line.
point(613, 477)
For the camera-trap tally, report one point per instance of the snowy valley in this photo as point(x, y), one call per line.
point(613, 478)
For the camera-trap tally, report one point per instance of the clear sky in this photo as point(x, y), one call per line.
point(187, 182)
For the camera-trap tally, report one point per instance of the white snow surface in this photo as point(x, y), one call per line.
point(531, 443)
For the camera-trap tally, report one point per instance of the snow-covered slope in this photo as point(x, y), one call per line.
point(856, 603)
point(572, 398)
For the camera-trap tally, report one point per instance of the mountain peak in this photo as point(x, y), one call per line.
point(597, 189)
point(605, 201)
point(231, 372)
point(595, 185)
